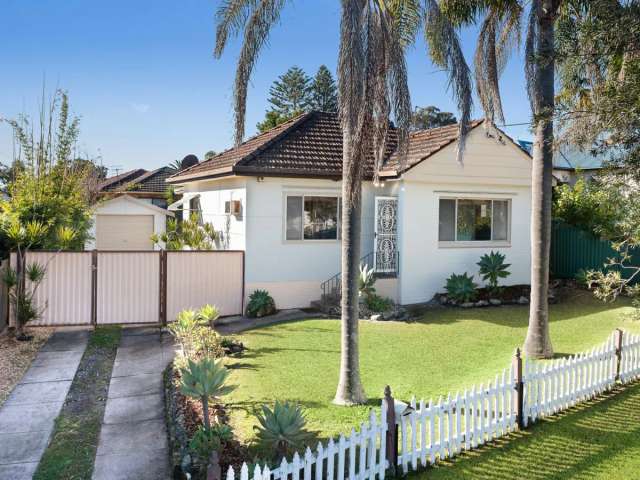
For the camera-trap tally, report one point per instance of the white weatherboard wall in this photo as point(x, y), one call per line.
point(491, 170)
point(124, 205)
point(213, 195)
point(292, 271)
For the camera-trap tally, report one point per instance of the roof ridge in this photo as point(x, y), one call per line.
point(294, 122)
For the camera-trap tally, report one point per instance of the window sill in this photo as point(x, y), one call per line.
point(312, 242)
point(473, 244)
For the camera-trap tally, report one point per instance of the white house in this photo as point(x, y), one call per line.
point(277, 197)
point(131, 208)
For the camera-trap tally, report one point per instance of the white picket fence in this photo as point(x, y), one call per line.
point(360, 456)
point(553, 386)
point(429, 432)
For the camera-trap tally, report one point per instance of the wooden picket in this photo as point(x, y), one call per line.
point(429, 432)
point(360, 456)
point(553, 386)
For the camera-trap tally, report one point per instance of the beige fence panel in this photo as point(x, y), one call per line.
point(65, 291)
point(128, 288)
point(197, 278)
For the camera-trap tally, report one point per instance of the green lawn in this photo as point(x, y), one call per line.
point(447, 350)
point(598, 440)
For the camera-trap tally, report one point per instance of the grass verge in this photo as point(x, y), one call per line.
point(72, 449)
point(599, 440)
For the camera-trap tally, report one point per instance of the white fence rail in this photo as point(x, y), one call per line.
point(554, 386)
point(360, 456)
point(429, 432)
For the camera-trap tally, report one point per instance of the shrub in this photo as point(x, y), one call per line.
point(194, 336)
point(377, 303)
point(492, 267)
point(461, 288)
point(205, 380)
point(366, 281)
point(282, 429)
point(205, 441)
point(260, 304)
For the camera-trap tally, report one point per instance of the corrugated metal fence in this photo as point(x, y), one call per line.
point(131, 287)
point(573, 249)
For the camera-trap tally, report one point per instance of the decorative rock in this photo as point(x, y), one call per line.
point(523, 300)
point(376, 317)
point(482, 303)
point(495, 301)
point(467, 305)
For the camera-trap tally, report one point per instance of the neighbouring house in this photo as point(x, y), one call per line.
point(132, 206)
point(277, 197)
point(571, 162)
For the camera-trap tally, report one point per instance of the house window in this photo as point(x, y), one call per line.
point(312, 217)
point(473, 220)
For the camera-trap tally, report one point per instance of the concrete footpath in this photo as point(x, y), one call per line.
point(27, 417)
point(133, 438)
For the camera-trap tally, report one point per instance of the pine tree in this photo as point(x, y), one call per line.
point(291, 92)
point(324, 95)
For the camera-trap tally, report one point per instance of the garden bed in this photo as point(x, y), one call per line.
point(184, 415)
point(16, 357)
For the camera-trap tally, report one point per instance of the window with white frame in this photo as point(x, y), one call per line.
point(312, 217)
point(474, 220)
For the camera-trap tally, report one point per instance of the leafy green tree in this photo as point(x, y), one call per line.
point(372, 87)
point(210, 154)
point(54, 187)
point(599, 77)
point(273, 118)
point(324, 93)
point(424, 118)
point(291, 92)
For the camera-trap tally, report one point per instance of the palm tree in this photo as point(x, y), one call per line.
point(499, 33)
point(372, 86)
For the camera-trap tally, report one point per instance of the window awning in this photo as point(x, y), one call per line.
point(180, 203)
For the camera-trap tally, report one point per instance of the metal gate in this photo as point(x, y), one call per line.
point(135, 287)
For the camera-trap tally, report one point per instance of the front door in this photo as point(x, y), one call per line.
point(386, 227)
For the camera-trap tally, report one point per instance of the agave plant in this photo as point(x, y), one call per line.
point(366, 281)
point(206, 381)
point(208, 314)
point(205, 441)
point(260, 304)
point(282, 428)
point(461, 288)
point(492, 267)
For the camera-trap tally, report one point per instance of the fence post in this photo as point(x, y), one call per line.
point(163, 288)
point(214, 472)
point(618, 339)
point(519, 388)
point(94, 287)
point(392, 430)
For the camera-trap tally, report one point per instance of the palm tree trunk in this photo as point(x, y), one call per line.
point(538, 341)
point(350, 391)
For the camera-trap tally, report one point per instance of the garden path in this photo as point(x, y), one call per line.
point(27, 417)
point(133, 438)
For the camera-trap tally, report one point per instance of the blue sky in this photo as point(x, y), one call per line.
point(142, 77)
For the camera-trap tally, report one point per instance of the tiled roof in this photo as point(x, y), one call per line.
point(112, 183)
point(138, 180)
point(310, 145)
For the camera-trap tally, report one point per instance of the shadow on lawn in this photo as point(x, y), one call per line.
point(518, 315)
point(581, 443)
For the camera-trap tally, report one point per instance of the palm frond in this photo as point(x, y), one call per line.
point(486, 69)
point(258, 26)
point(445, 49)
point(231, 17)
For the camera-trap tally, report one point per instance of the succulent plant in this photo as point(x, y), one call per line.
point(366, 281)
point(260, 304)
point(282, 428)
point(461, 288)
point(492, 267)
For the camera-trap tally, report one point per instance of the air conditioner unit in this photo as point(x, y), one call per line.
point(233, 207)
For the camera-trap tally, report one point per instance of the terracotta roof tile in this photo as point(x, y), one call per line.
point(309, 145)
